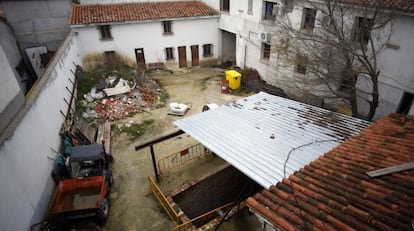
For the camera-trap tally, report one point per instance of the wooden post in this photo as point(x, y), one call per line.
point(154, 164)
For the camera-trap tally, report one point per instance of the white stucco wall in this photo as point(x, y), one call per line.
point(397, 69)
point(11, 87)
point(25, 168)
point(245, 26)
point(396, 65)
point(149, 35)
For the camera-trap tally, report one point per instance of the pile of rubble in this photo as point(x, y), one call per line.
point(117, 98)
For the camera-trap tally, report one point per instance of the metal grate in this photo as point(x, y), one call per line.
point(182, 157)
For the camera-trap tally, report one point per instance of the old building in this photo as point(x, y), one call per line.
point(251, 37)
point(148, 34)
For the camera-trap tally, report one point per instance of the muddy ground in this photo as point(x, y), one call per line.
point(132, 206)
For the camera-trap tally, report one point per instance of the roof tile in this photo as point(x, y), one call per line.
point(334, 191)
point(127, 12)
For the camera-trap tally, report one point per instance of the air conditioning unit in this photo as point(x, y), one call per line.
point(263, 37)
point(325, 20)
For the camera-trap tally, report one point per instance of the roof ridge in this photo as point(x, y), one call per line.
point(139, 11)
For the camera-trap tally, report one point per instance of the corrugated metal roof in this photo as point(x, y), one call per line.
point(319, 197)
point(258, 133)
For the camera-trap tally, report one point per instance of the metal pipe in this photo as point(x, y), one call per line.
point(159, 139)
point(154, 164)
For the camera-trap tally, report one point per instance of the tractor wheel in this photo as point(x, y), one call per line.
point(103, 211)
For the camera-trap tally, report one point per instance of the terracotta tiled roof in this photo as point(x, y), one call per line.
point(399, 5)
point(110, 13)
point(335, 193)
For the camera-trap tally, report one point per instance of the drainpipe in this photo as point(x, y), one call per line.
point(245, 54)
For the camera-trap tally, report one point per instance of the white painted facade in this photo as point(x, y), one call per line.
point(26, 158)
point(396, 65)
point(149, 35)
point(397, 69)
point(11, 87)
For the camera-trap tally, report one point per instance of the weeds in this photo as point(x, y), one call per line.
point(133, 130)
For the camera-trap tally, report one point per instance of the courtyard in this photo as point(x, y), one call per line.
point(132, 205)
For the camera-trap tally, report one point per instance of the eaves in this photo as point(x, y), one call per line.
point(143, 21)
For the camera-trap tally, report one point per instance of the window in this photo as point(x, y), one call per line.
point(250, 7)
point(207, 50)
point(105, 31)
point(309, 19)
point(362, 30)
point(265, 51)
point(21, 68)
point(270, 10)
point(225, 5)
point(301, 63)
point(169, 55)
point(167, 27)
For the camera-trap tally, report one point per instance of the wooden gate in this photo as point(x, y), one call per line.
point(139, 55)
point(182, 57)
point(194, 56)
point(163, 201)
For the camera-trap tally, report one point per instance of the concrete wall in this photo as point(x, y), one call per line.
point(397, 69)
point(244, 26)
point(128, 37)
point(39, 22)
point(11, 87)
point(25, 168)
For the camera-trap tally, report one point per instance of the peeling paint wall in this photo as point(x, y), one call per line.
point(26, 158)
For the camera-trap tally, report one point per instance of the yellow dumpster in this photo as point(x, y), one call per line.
point(234, 79)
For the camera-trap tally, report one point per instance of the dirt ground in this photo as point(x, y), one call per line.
point(132, 206)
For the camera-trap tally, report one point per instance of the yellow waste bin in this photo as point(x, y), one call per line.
point(234, 79)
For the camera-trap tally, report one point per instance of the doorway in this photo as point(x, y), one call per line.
point(228, 50)
point(139, 55)
point(182, 57)
point(194, 56)
point(406, 104)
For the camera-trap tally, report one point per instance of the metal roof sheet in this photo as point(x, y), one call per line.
point(349, 199)
point(259, 133)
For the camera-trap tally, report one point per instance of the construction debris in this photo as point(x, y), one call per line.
point(120, 88)
point(117, 98)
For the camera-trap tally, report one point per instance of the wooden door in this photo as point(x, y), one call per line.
point(194, 56)
point(139, 55)
point(182, 57)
